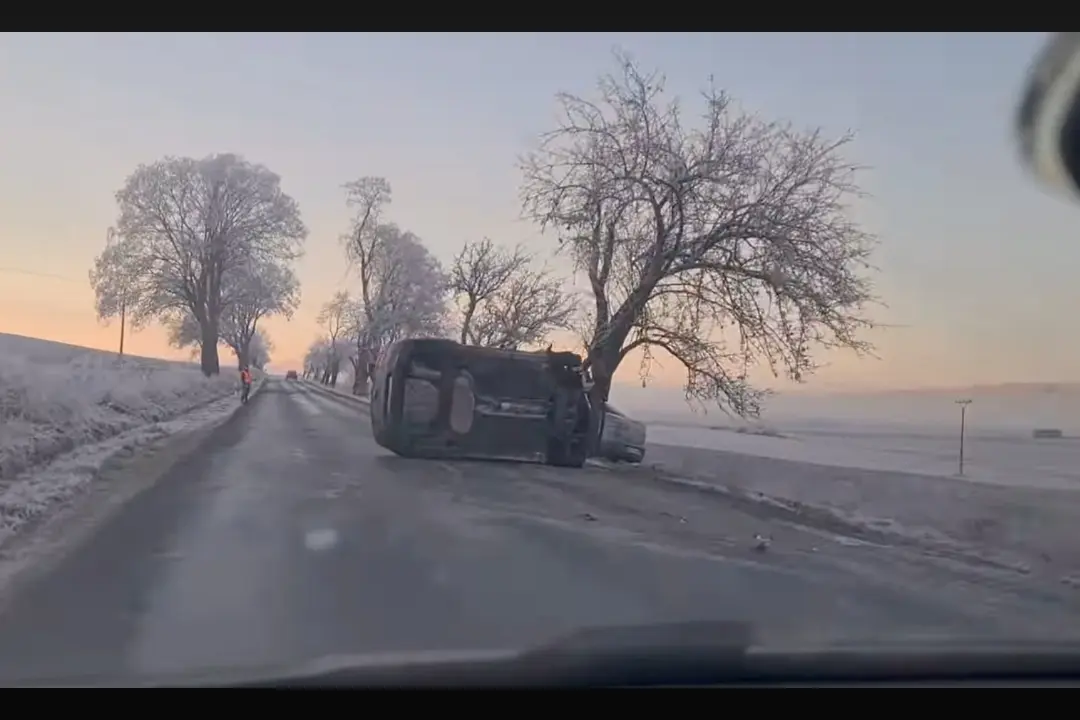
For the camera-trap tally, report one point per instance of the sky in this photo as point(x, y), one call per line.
point(976, 262)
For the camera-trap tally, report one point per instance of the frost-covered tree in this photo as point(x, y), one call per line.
point(334, 319)
point(183, 332)
point(402, 289)
point(726, 241)
point(185, 227)
point(503, 300)
point(260, 290)
point(259, 348)
point(408, 292)
point(406, 297)
point(116, 283)
point(317, 360)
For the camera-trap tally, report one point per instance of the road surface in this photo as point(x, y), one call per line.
point(290, 535)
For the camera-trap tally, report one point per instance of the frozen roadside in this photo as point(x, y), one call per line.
point(64, 410)
point(55, 398)
point(33, 493)
point(1029, 530)
point(46, 512)
point(335, 392)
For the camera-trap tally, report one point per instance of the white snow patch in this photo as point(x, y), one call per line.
point(321, 540)
point(1018, 502)
point(65, 409)
point(31, 494)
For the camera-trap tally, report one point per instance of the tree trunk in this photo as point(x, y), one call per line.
point(335, 367)
point(466, 322)
point(598, 396)
point(602, 370)
point(361, 373)
point(208, 353)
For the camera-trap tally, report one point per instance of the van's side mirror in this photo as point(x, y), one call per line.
point(1048, 119)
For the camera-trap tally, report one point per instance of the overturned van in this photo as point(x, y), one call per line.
point(436, 398)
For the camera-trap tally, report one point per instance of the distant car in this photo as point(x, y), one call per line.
point(291, 375)
point(622, 438)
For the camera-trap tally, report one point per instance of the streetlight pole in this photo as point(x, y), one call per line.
point(963, 417)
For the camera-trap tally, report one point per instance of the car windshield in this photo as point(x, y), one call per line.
point(310, 344)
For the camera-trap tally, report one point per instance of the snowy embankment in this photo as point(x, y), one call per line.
point(343, 389)
point(65, 409)
point(1018, 503)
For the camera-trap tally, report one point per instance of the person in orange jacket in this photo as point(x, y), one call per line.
point(245, 384)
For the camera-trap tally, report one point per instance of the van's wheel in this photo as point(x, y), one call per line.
point(568, 457)
point(574, 453)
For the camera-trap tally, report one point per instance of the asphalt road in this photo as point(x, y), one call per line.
point(290, 535)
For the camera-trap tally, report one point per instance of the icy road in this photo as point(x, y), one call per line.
point(288, 535)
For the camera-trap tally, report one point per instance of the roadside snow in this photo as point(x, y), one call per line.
point(31, 494)
point(345, 390)
point(1027, 526)
point(64, 409)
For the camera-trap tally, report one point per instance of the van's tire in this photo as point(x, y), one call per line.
point(574, 453)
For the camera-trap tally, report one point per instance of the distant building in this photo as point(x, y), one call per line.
point(1046, 433)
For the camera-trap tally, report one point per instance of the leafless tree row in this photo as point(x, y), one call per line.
point(491, 295)
point(721, 241)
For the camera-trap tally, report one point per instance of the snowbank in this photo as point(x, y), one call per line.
point(888, 462)
point(342, 389)
point(36, 492)
point(56, 397)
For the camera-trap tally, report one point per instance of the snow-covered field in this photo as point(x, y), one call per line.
point(64, 409)
point(1017, 501)
point(1010, 459)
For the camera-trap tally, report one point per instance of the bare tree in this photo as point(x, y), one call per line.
point(402, 287)
point(504, 301)
point(186, 226)
point(478, 272)
point(524, 312)
point(366, 197)
point(259, 290)
point(725, 245)
point(333, 317)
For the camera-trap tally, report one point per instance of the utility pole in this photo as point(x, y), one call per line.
point(111, 238)
point(123, 322)
point(963, 418)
